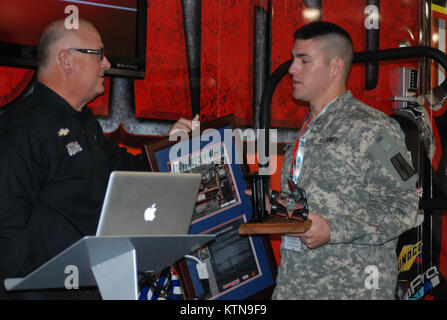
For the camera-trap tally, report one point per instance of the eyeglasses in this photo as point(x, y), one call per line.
point(100, 52)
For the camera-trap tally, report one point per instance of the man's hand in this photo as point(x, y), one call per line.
point(185, 125)
point(318, 234)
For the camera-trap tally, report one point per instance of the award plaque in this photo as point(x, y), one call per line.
point(288, 214)
point(275, 225)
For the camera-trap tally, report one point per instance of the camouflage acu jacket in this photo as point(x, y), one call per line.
point(356, 174)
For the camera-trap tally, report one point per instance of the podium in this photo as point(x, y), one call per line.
point(110, 262)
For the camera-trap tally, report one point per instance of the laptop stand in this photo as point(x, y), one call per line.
point(109, 262)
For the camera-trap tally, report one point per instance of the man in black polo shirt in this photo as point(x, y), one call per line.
point(54, 158)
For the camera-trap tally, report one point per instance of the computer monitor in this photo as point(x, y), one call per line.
point(121, 23)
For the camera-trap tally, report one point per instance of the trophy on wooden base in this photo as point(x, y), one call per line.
point(288, 213)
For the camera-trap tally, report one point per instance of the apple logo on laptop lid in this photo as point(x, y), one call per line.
point(149, 213)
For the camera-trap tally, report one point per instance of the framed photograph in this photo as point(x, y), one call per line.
point(233, 266)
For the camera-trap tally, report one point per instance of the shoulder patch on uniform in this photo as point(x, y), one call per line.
point(384, 144)
point(392, 156)
point(404, 169)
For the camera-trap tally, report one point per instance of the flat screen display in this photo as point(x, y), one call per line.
point(121, 23)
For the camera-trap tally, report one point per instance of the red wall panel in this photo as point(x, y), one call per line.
point(12, 83)
point(287, 17)
point(100, 106)
point(226, 71)
point(350, 15)
point(393, 29)
point(164, 93)
point(14, 80)
point(227, 58)
point(227, 50)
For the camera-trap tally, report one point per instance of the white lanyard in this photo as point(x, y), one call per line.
point(299, 152)
point(300, 145)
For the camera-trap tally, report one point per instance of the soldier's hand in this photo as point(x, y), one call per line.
point(318, 234)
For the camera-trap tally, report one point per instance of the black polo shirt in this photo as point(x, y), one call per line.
point(54, 167)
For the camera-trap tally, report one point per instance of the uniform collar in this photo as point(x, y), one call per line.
point(335, 105)
point(341, 99)
point(47, 97)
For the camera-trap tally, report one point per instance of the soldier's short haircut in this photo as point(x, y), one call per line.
point(337, 42)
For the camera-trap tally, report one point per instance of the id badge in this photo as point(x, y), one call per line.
point(291, 243)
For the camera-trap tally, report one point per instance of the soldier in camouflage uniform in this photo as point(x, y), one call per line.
point(355, 169)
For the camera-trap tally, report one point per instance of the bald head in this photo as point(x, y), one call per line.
point(72, 63)
point(56, 37)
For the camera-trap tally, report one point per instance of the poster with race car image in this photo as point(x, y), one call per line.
point(233, 266)
point(217, 190)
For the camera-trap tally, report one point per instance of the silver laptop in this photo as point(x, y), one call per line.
point(148, 203)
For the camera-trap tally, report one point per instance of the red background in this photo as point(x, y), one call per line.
point(227, 60)
point(227, 55)
point(28, 18)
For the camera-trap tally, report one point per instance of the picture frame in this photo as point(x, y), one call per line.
point(233, 266)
